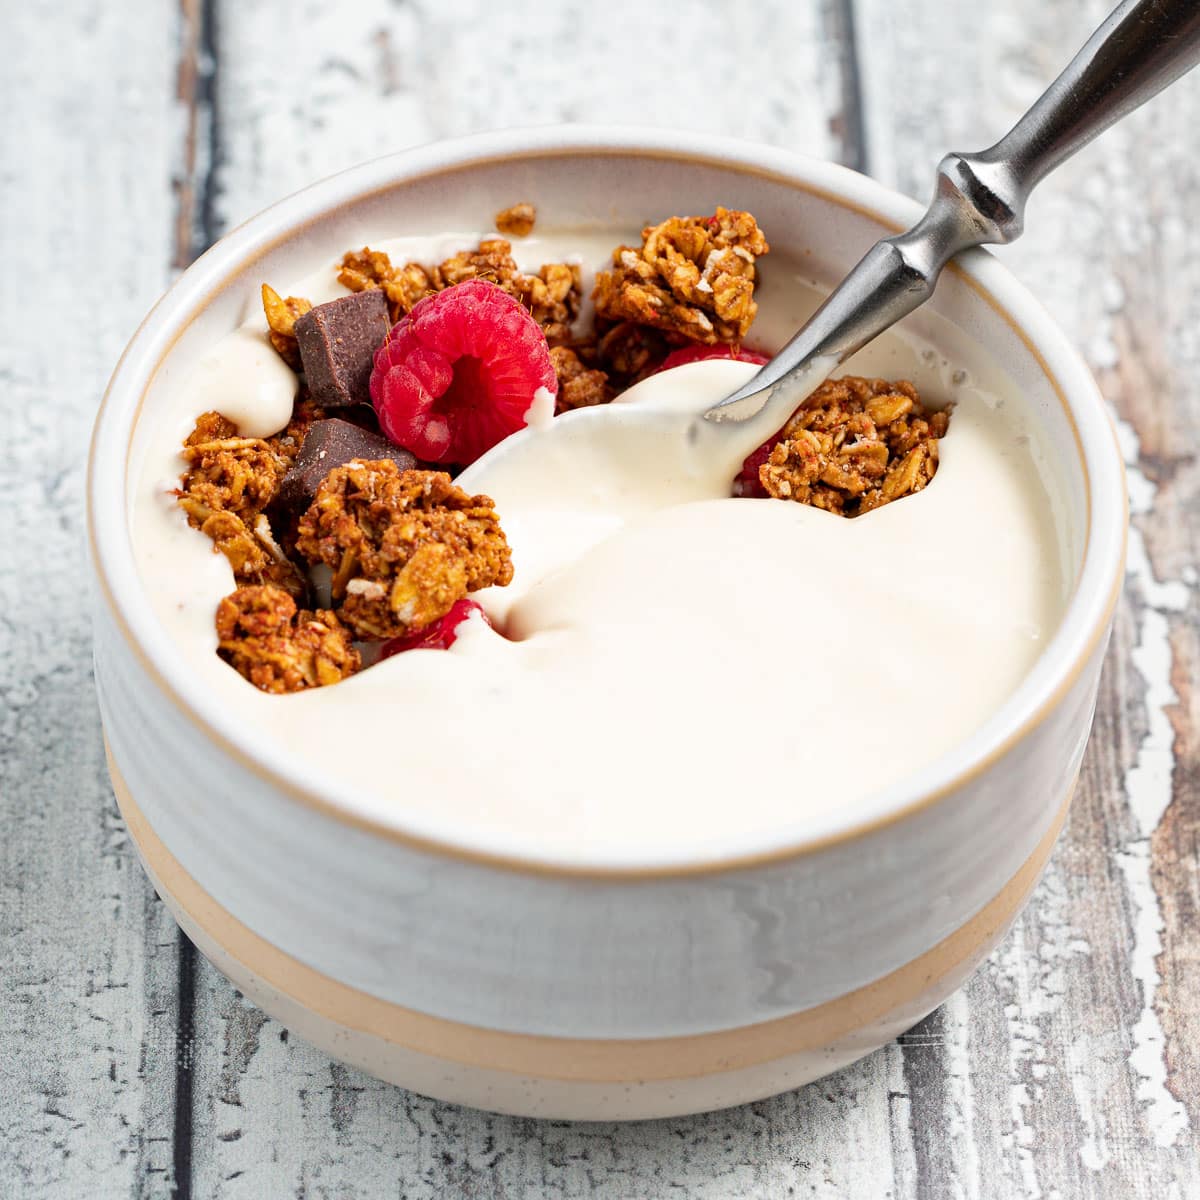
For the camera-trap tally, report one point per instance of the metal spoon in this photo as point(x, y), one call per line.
point(979, 199)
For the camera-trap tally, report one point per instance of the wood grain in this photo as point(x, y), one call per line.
point(1068, 1067)
point(304, 96)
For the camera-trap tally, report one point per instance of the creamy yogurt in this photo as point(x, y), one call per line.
point(682, 668)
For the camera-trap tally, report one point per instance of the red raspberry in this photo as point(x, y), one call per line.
point(458, 373)
point(698, 353)
point(747, 482)
point(441, 635)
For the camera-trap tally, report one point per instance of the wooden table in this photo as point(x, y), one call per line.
point(133, 134)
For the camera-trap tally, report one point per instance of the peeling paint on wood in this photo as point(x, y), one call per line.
point(1069, 1066)
point(1097, 984)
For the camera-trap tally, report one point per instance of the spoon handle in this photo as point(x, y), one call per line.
point(1143, 46)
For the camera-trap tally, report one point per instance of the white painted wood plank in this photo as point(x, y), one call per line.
point(307, 88)
point(284, 1120)
point(87, 955)
point(1080, 1031)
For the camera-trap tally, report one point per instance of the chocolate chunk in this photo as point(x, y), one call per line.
point(333, 443)
point(337, 342)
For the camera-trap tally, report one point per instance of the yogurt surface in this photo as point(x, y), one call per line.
point(681, 668)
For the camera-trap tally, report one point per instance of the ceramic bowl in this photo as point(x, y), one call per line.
point(460, 965)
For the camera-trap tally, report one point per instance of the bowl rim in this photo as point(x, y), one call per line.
point(1083, 627)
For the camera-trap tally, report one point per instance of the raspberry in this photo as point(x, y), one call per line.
point(441, 635)
point(459, 372)
point(697, 353)
point(747, 482)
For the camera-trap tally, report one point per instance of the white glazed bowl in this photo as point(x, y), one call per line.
point(467, 968)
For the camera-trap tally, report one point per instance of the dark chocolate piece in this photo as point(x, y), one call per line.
point(337, 342)
point(333, 443)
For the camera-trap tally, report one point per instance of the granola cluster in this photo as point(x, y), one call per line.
point(854, 445)
point(403, 545)
point(263, 636)
point(403, 286)
point(517, 220)
point(229, 483)
point(552, 296)
point(579, 386)
point(227, 473)
point(692, 278)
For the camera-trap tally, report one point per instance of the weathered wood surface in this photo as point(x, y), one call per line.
point(88, 995)
point(1101, 1022)
point(130, 136)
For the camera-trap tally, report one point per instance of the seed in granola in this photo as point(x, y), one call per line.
point(516, 221)
point(288, 441)
point(265, 639)
point(425, 542)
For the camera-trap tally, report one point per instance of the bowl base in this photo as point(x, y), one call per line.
point(297, 996)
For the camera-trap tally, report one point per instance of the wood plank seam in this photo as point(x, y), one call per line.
point(847, 125)
point(195, 230)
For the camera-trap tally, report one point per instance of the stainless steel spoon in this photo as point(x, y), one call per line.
point(980, 198)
